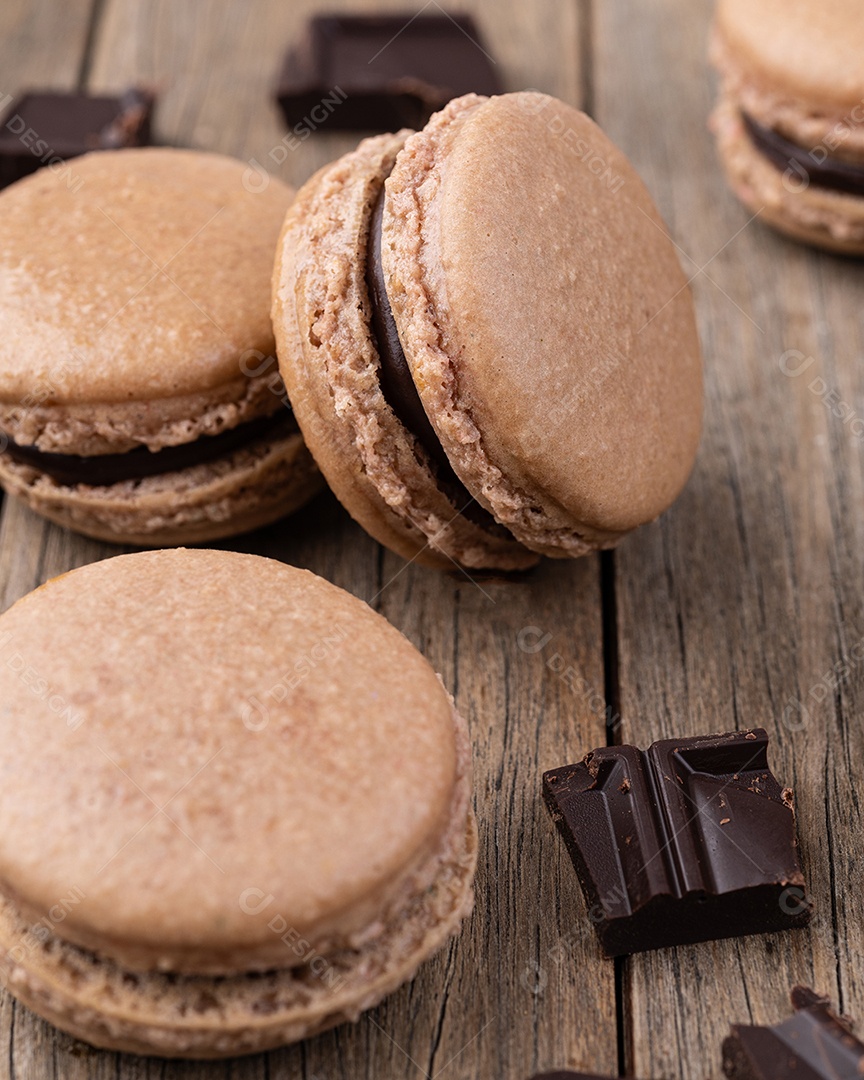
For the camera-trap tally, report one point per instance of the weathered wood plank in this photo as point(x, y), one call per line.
point(509, 997)
point(737, 605)
point(44, 44)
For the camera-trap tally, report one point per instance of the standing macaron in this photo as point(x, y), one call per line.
point(137, 403)
point(235, 804)
point(487, 338)
point(790, 119)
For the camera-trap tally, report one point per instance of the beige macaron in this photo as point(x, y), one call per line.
point(487, 338)
point(790, 117)
point(139, 396)
point(234, 804)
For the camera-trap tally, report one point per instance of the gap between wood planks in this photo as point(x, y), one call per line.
point(612, 693)
point(96, 12)
point(609, 609)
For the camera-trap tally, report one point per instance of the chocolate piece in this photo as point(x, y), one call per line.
point(49, 128)
point(381, 72)
point(831, 172)
point(690, 840)
point(101, 470)
point(563, 1075)
point(814, 1044)
point(400, 393)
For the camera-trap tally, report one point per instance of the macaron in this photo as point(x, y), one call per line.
point(789, 121)
point(140, 400)
point(487, 338)
point(234, 804)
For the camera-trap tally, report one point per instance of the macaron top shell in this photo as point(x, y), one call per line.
point(808, 50)
point(210, 750)
point(545, 318)
point(134, 275)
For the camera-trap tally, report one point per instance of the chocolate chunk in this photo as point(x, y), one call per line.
point(688, 841)
point(100, 470)
point(381, 72)
point(49, 128)
point(563, 1075)
point(814, 166)
point(814, 1044)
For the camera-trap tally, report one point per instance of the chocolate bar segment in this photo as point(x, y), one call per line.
point(690, 840)
point(50, 128)
point(814, 1044)
point(381, 72)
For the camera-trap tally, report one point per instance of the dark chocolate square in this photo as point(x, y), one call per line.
point(382, 72)
point(814, 1044)
point(46, 128)
point(690, 840)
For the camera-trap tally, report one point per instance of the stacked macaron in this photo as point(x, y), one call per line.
point(209, 847)
point(139, 400)
point(790, 119)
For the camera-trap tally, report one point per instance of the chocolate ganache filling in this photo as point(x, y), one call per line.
point(400, 393)
point(102, 470)
point(829, 172)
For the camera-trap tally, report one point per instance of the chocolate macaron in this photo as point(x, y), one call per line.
point(790, 118)
point(487, 338)
point(139, 396)
point(214, 842)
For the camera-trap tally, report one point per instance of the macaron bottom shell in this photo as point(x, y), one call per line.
point(203, 1017)
point(252, 487)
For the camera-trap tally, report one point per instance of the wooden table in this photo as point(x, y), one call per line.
point(743, 606)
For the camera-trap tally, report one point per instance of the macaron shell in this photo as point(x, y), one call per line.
point(827, 219)
point(545, 318)
point(837, 130)
point(201, 1017)
point(330, 367)
point(248, 489)
point(215, 723)
point(114, 427)
point(143, 282)
point(809, 51)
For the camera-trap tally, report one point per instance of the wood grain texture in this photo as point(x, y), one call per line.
point(509, 997)
point(43, 44)
point(736, 607)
